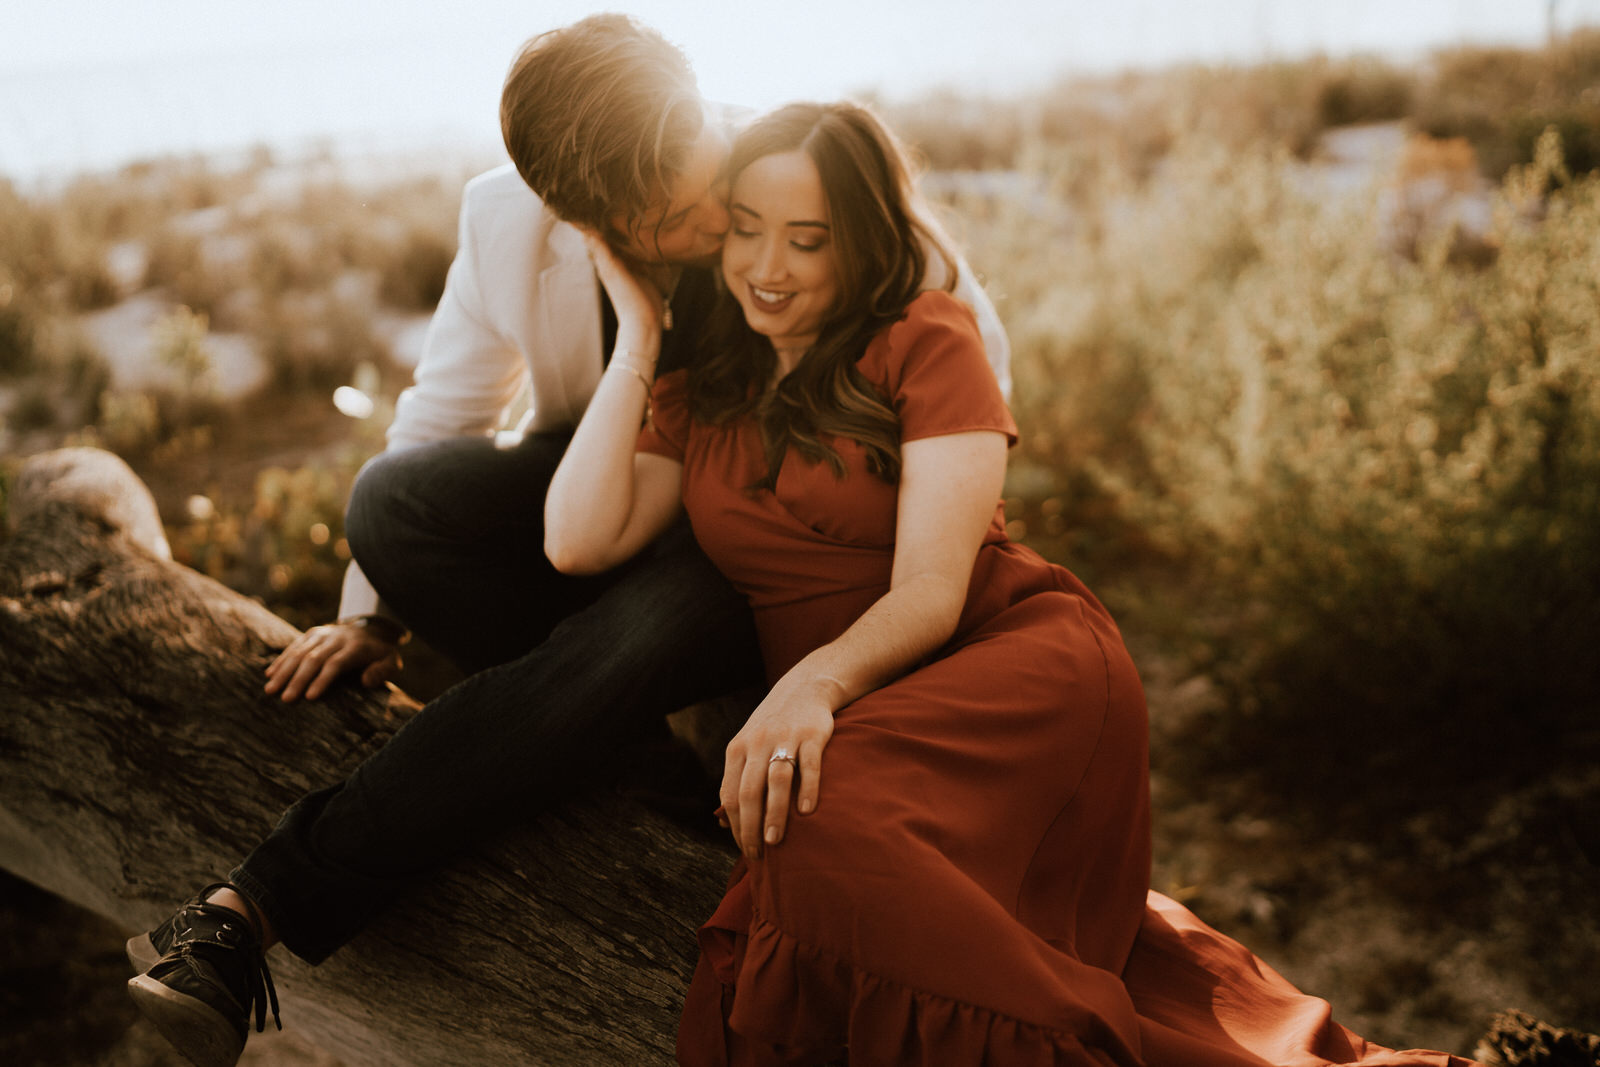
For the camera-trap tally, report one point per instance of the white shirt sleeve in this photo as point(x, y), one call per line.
point(466, 377)
point(996, 345)
point(967, 289)
point(357, 597)
point(469, 372)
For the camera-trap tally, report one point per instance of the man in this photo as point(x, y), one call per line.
point(449, 528)
point(607, 132)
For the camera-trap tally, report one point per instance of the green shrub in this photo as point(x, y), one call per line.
point(18, 327)
point(953, 132)
point(85, 376)
point(1406, 474)
point(1276, 104)
point(180, 344)
point(33, 408)
point(7, 475)
point(413, 276)
point(1386, 472)
point(1578, 127)
point(165, 420)
point(316, 340)
point(128, 423)
point(24, 236)
point(47, 354)
point(285, 546)
point(178, 264)
point(1133, 119)
point(286, 257)
point(50, 251)
point(1502, 99)
point(1364, 90)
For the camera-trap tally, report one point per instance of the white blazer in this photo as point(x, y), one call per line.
point(521, 309)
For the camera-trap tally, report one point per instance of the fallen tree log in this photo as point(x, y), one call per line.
point(139, 759)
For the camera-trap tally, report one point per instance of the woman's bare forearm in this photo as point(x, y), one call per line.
point(598, 510)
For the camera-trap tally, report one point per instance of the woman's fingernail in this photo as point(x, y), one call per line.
point(805, 806)
point(772, 835)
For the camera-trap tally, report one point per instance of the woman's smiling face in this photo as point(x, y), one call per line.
point(778, 259)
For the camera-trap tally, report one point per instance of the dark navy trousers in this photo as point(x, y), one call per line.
point(563, 671)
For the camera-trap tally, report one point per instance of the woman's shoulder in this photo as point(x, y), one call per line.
point(935, 321)
point(936, 311)
point(931, 367)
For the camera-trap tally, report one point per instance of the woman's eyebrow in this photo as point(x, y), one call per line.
point(744, 209)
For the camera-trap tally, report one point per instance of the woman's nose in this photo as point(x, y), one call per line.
point(770, 263)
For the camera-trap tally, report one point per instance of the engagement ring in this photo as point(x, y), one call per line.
point(782, 754)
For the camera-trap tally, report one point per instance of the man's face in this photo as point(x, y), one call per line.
point(688, 224)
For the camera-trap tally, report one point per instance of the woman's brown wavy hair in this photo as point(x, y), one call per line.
point(880, 249)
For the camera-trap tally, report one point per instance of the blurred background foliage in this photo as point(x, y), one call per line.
point(1366, 457)
point(1307, 363)
point(1500, 99)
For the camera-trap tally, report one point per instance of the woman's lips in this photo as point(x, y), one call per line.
point(768, 301)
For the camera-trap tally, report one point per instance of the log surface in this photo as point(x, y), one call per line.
point(139, 759)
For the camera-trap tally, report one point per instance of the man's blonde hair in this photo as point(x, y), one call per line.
point(599, 118)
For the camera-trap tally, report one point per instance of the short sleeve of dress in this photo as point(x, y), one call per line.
point(933, 365)
point(666, 433)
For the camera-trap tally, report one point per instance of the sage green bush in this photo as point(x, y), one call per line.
point(1501, 99)
point(1383, 472)
point(44, 356)
point(1137, 116)
point(284, 545)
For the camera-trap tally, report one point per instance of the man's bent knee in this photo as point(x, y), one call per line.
point(372, 513)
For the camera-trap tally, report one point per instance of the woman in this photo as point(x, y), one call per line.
point(942, 802)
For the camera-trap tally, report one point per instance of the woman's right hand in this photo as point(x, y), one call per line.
point(315, 659)
point(607, 501)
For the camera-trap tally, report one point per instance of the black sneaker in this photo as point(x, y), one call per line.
point(146, 948)
point(200, 991)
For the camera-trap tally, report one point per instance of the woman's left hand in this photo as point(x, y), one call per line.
point(637, 301)
point(795, 720)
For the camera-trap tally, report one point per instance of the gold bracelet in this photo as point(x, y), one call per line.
point(633, 370)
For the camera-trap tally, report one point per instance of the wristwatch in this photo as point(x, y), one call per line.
point(384, 628)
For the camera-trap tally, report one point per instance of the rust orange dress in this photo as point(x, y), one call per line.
point(973, 885)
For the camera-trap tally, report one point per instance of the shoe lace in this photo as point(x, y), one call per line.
point(257, 973)
point(260, 973)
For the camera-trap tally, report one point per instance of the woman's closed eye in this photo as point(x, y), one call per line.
point(808, 243)
point(797, 243)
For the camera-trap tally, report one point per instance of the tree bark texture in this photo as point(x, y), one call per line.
point(139, 759)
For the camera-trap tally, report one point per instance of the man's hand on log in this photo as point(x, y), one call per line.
point(315, 659)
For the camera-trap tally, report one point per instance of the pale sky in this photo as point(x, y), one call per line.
point(88, 84)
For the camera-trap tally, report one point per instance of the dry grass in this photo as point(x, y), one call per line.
point(1499, 99)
